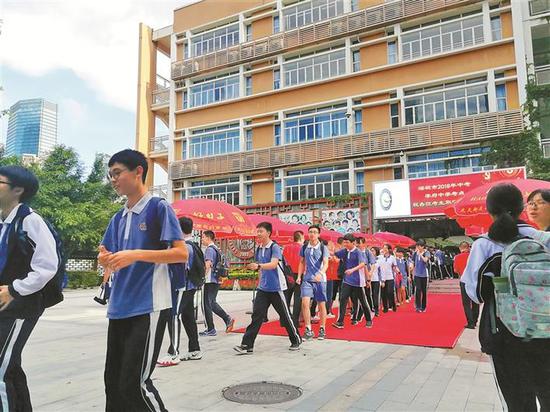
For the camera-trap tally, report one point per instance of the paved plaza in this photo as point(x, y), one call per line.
point(65, 356)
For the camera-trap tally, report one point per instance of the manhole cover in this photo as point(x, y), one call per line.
point(261, 393)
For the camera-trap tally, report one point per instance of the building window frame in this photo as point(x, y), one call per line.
point(319, 66)
point(216, 39)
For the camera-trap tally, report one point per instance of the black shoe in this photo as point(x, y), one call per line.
point(243, 350)
point(295, 346)
point(385, 310)
point(354, 322)
point(369, 324)
point(338, 325)
point(470, 326)
point(376, 314)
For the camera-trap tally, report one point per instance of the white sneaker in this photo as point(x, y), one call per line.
point(196, 355)
point(331, 316)
point(168, 360)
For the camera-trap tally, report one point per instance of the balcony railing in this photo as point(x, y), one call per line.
point(159, 144)
point(349, 24)
point(447, 132)
point(160, 96)
point(542, 75)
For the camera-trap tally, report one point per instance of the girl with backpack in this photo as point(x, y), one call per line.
point(521, 366)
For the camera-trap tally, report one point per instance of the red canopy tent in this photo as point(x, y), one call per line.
point(471, 212)
point(282, 232)
point(394, 239)
point(225, 220)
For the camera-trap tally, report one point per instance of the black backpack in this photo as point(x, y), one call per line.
point(221, 268)
point(197, 272)
point(52, 291)
point(283, 265)
point(342, 268)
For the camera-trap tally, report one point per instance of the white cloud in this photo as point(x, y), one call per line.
point(75, 111)
point(97, 40)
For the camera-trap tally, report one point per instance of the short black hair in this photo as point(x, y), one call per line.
point(209, 234)
point(298, 235)
point(389, 247)
point(265, 225)
point(340, 240)
point(314, 227)
point(186, 225)
point(131, 159)
point(349, 237)
point(544, 193)
point(361, 239)
point(21, 177)
point(421, 242)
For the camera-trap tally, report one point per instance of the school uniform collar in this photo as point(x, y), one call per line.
point(139, 206)
point(317, 246)
point(11, 216)
point(352, 250)
point(187, 237)
point(267, 246)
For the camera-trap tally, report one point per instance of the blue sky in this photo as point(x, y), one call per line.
point(84, 122)
point(83, 56)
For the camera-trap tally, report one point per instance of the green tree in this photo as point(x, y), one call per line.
point(79, 208)
point(524, 149)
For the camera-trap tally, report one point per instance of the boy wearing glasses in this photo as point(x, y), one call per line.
point(140, 241)
point(24, 272)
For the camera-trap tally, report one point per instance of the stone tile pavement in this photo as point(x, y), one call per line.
point(65, 356)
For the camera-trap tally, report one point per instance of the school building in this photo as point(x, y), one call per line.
point(274, 105)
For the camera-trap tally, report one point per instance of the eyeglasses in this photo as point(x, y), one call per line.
point(5, 183)
point(115, 174)
point(538, 204)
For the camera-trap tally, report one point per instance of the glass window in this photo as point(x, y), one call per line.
point(213, 91)
point(496, 28)
point(276, 24)
point(215, 40)
point(356, 56)
point(277, 134)
point(501, 97)
point(539, 7)
point(316, 183)
point(307, 12)
point(276, 79)
point(226, 190)
point(540, 38)
point(225, 139)
point(249, 139)
point(358, 121)
point(392, 52)
point(248, 29)
point(360, 182)
point(394, 115)
point(316, 67)
point(445, 37)
point(248, 189)
point(248, 81)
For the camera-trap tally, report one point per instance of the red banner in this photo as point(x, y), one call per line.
point(429, 196)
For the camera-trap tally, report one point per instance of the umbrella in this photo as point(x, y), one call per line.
point(330, 235)
point(225, 220)
point(394, 239)
point(471, 210)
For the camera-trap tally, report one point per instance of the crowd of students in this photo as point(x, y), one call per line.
point(145, 237)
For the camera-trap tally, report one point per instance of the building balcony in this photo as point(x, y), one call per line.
point(542, 75)
point(160, 191)
point(158, 145)
point(442, 133)
point(352, 23)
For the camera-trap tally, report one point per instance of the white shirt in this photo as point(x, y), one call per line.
point(44, 261)
point(385, 264)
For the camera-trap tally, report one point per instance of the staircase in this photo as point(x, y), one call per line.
point(444, 286)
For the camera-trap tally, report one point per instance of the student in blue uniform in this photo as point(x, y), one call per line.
point(522, 367)
point(212, 256)
point(271, 285)
point(183, 306)
point(140, 241)
point(313, 267)
point(421, 262)
point(354, 281)
point(23, 276)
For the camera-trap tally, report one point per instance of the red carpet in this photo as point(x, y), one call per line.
point(439, 327)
